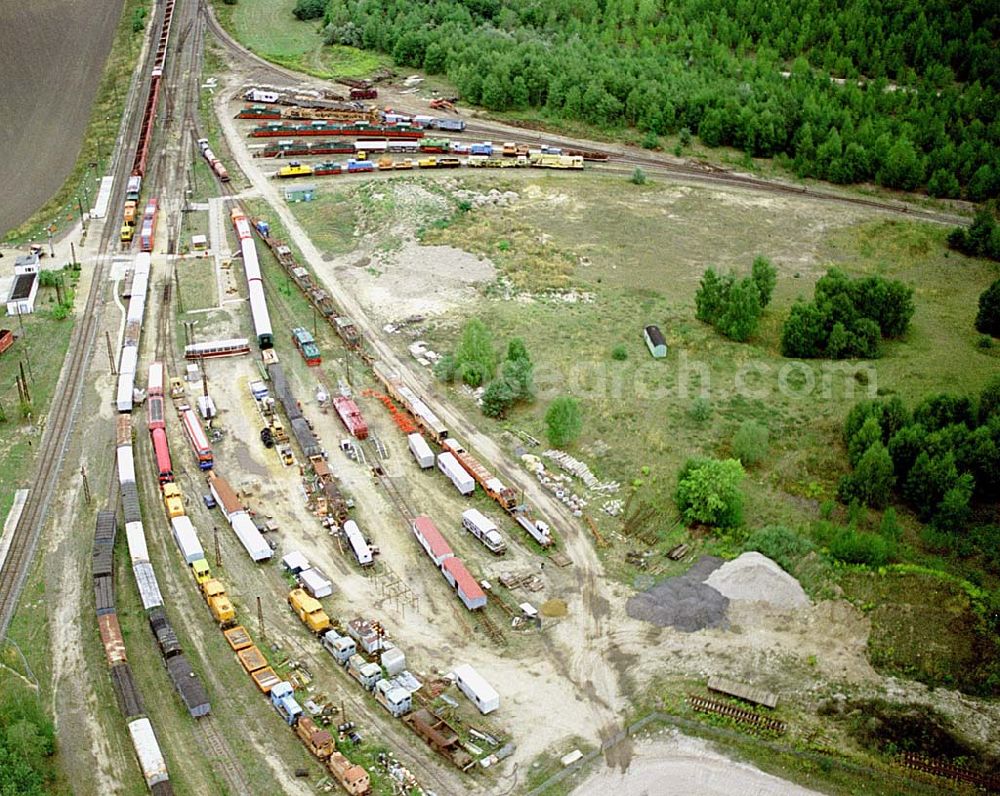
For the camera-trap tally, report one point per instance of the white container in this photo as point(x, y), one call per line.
point(123, 397)
point(315, 582)
point(393, 661)
point(448, 464)
point(421, 450)
point(154, 380)
point(145, 581)
point(186, 538)
point(255, 545)
point(471, 683)
point(362, 552)
point(206, 406)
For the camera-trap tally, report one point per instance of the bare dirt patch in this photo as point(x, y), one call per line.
point(676, 764)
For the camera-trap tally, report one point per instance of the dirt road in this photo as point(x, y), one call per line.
point(54, 55)
point(676, 764)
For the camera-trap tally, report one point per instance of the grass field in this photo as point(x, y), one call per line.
point(40, 350)
point(631, 255)
point(268, 28)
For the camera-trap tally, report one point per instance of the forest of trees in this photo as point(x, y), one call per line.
point(751, 74)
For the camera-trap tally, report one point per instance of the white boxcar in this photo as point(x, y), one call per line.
point(256, 546)
point(448, 464)
point(154, 767)
point(128, 360)
point(485, 530)
point(316, 583)
point(472, 684)
point(154, 380)
point(135, 535)
point(126, 464)
point(126, 387)
point(187, 538)
point(421, 450)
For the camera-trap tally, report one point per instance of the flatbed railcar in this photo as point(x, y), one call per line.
point(288, 130)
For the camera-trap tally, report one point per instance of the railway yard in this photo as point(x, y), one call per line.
point(280, 557)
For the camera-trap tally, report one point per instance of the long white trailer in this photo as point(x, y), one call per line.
point(253, 542)
point(448, 464)
point(485, 530)
point(362, 552)
point(472, 684)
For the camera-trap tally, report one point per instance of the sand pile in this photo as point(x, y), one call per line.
point(685, 602)
point(553, 607)
point(756, 578)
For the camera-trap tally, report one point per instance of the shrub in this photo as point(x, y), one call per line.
point(309, 9)
point(988, 317)
point(750, 443)
point(563, 420)
point(619, 353)
point(498, 398)
point(871, 482)
point(981, 239)
point(638, 177)
point(445, 368)
point(650, 141)
point(782, 545)
point(708, 491)
point(519, 374)
point(701, 409)
point(475, 359)
point(765, 277)
point(854, 547)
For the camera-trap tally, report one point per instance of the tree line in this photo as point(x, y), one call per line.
point(750, 74)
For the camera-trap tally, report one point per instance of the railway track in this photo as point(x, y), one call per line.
point(222, 755)
point(754, 721)
point(949, 771)
point(61, 420)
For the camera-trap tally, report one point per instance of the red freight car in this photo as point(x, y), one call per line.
point(351, 416)
point(6, 339)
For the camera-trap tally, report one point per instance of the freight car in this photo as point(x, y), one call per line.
point(147, 231)
point(255, 284)
point(292, 148)
point(306, 344)
point(259, 111)
point(213, 161)
point(351, 416)
point(451, 567)
point(285, 130)
point(492, 485)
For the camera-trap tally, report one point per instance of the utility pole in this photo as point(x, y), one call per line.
point(111, 352)
point(260, 620)
point(177, 289)
point(72, 252)
point(86, 485)
point(218, 550)
point(24, 381)
point(20, 320)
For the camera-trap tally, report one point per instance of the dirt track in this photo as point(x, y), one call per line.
point(53, 57)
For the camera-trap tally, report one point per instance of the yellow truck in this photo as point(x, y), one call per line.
point(218, 603)
point(309, 610)
point(173, 500)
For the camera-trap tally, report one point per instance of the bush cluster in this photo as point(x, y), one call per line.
point(942, 458)
point(734, 306)
point(981, 239)
point(847, 318)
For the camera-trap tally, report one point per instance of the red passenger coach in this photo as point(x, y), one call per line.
point(196, 436)
point(161, 450)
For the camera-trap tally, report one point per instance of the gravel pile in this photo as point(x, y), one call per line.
point(686, 602)
point(756, 578)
